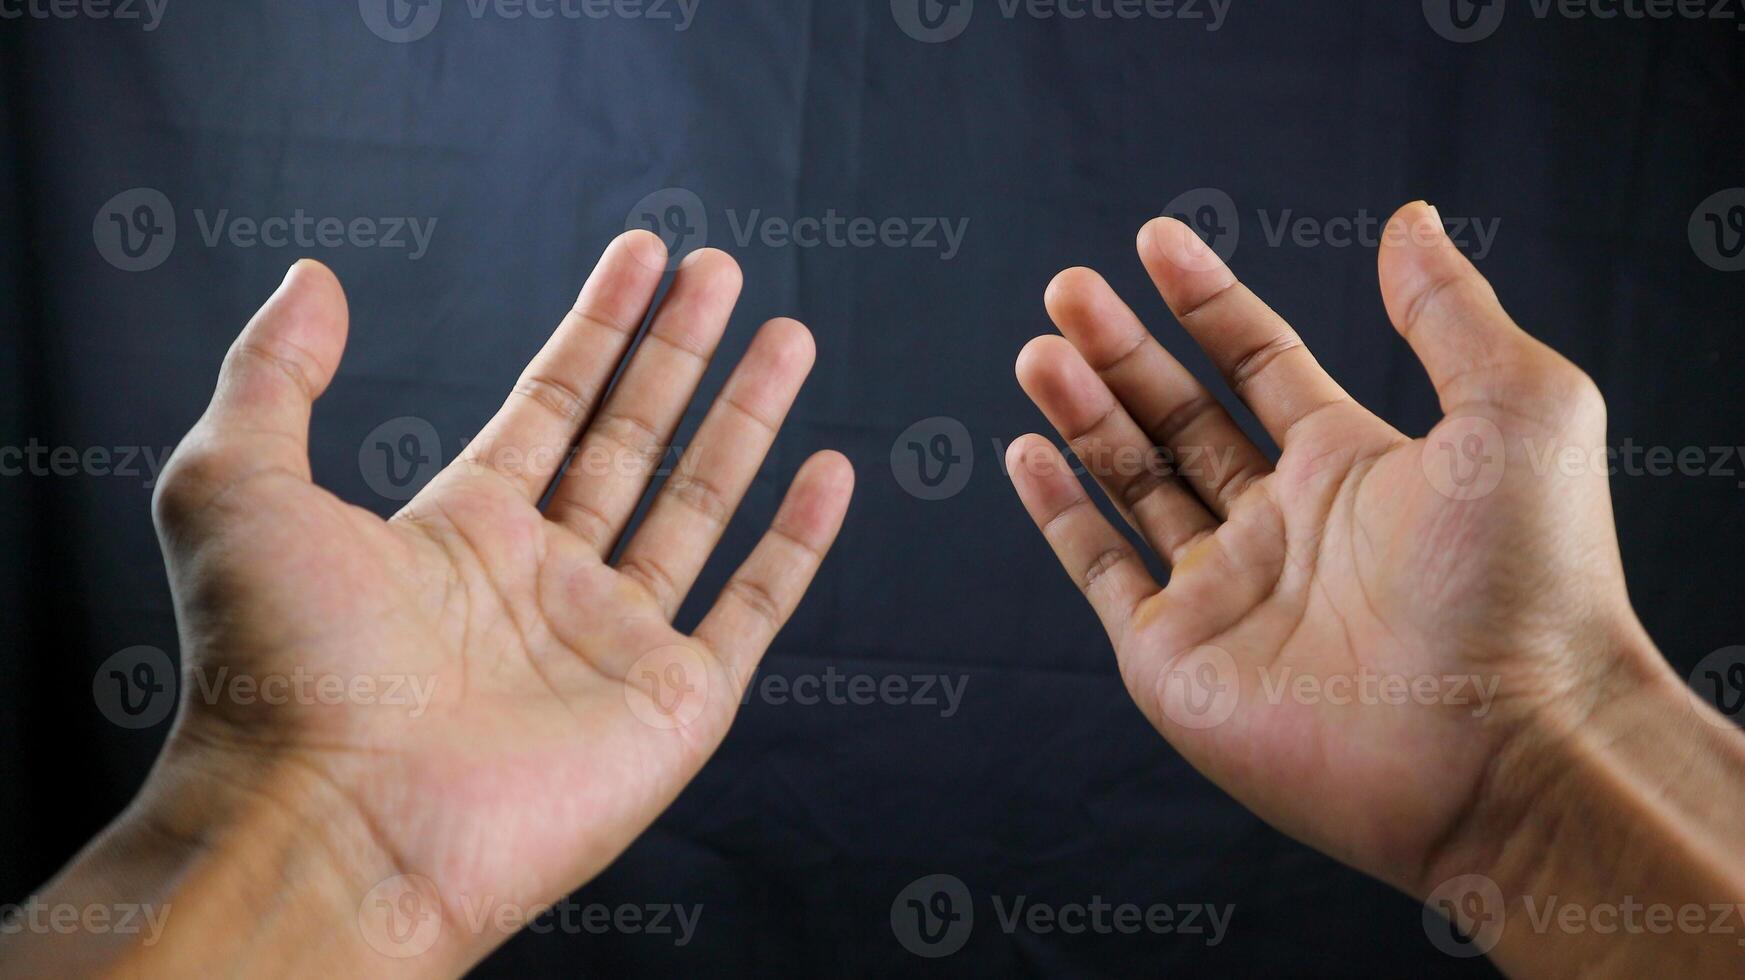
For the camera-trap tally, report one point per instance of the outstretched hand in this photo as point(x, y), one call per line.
point(564, 709)
point(1365, 640)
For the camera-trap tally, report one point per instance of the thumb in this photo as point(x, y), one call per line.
point(258, 420)
point(1451, 317)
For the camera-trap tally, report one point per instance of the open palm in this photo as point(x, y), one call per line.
point(1353, 639)
point(494, 694)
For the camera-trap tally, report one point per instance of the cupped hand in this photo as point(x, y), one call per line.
point(494, 699)
point(1363, 640)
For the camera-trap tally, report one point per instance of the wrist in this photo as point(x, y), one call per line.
point(255, 864)
point(287, 845)
point(1615, 807)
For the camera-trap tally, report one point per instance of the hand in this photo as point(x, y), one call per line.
point(1477, 593)
point(564, 710)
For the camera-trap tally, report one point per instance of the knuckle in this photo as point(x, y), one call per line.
point(759, 600)
point(653, 577)
point(701, 496)
point(195, 471)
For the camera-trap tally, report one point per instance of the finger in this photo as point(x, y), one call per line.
point(1104, 565)
point(1175, 411)
point(258, 419)
point(528, 439)
point(1451, 316)
point(626, 441)
point(760, 597)
point(692, 509)
point(1261, 358)
point(1112, 446)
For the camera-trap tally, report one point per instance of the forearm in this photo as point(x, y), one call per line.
point(254, 872)
point(1614, 834)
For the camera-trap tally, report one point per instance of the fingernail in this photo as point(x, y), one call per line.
point(1436, 219)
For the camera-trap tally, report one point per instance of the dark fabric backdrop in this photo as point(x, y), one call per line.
point(1588, 143)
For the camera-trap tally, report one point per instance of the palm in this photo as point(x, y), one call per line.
point(530, 707)
point(1329, 627)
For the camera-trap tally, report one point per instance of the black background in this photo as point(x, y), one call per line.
point(1589, 143)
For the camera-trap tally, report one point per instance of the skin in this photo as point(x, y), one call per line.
point(567, 712)
point(545, 749)
point(1362, 551)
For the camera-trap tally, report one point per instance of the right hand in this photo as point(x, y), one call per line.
point(1450, 564)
